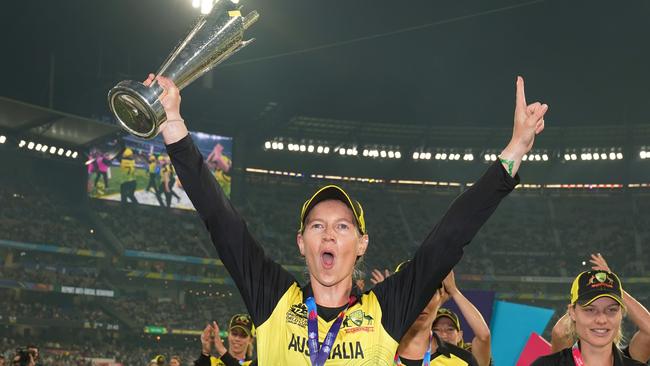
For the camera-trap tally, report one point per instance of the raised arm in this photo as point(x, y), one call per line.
point(560, 338)
point(481, 341)
point(260, 281)
point(405, 294)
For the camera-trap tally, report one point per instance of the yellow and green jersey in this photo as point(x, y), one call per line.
point(127, 165)
point(374, 324)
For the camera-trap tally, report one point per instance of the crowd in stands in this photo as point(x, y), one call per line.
point(166, 312)
point(154, 229)
point(36, 216)
point(80, 351)
point(533, 233)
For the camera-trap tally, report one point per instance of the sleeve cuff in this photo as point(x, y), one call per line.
point(203, 360)
point(510, 181)
point(179, 145)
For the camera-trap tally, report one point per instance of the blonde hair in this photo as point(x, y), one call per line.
point(572, 334)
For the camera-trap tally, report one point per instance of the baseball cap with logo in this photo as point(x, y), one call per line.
point(446, 313)
point(243, 322)
point(592, 285)
point(333, 192)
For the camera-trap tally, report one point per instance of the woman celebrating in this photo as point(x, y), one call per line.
point(325, 320)
point(596, 313)
point(639, 346)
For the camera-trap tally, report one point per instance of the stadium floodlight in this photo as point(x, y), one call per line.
point(545, 157)
point(427, 156)
point(44, 148)
point(486, 157)
point(619, 155)
point(274, 145)
point(398, 155)
point(30, 145)
point(595, 156)
point(310, 148)
point(603, 156)
point(612, 156)
point(22, 143)
point(267, 145)
point(567, 157)
point(326, 150)
point(341, 151)
point(538, 157)
point(3, 139)
point(39, 146)
point(391, 154)
point(416, 155)
point(443, 156)
point(68, 153)
point(493, 157)
point(74, 155)
point(206, 6)
point(319, 149)
point(303, 148)
point(574, 156)
point(524, 158)
point(52, 149)
point(280, 146)
point(382, 153)
point(60, 151)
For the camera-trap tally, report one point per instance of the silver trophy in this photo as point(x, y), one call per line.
point(217, 36)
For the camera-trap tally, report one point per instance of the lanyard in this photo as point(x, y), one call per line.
point(426, 361)
point(577, 356)
point(318, 355)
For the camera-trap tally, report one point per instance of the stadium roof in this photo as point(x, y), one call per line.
point(66, 129)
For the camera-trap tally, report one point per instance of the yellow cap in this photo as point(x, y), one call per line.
point(333, 192)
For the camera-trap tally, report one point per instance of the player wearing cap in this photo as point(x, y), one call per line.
point(639, 345)
point(241, 334)
point(421, 346)
point(596, 312)
point(447, 324)
point(325, 320)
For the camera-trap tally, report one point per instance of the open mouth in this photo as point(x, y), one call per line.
point(327, 258)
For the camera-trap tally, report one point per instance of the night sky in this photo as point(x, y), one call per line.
point(443, 63)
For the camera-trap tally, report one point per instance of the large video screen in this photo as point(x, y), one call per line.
point(130, 169)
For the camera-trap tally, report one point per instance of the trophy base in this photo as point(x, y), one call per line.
point(137, 108)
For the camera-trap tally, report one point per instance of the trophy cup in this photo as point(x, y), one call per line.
point(217, 36)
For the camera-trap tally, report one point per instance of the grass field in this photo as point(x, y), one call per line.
point(117, 178)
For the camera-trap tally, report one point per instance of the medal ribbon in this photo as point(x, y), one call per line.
point(318, 355)
point(577, 355)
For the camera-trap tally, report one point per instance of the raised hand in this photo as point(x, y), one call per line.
point(218, 342)
point(378, 276)
point(529, 119)
point(449, 284)
point(599, 263)
point(173, 129)
point(528, 123)
point(206, 340)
